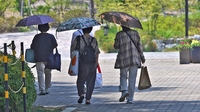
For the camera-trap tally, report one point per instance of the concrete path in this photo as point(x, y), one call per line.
point(175, 87)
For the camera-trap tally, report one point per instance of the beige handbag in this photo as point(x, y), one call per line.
point(144, 81)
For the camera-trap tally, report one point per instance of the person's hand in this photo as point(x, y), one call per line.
point(143, 61)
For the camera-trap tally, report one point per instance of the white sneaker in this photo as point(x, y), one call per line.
point(129, 102)
point(124, 95)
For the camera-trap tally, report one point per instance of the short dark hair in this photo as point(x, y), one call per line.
point(43, 27)
point(87, 30)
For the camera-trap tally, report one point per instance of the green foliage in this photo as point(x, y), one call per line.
point(47, 109)
point(75, 13)
point(150, 46)
point(43, 9)
point(4, 5)
point(8, 24)
point(194, 22)
point(106, 42)
point(23, 29)
point(15, 82)
point(169, 50)
point(167, 28)
point(62, 10)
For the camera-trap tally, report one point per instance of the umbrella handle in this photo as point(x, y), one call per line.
point(102, 20)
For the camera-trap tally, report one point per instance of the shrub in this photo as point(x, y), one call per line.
point(106, 42)
point(151, 46)
point(15, 82)
point(8, 25)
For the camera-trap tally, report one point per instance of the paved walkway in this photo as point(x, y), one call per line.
point(175, 87)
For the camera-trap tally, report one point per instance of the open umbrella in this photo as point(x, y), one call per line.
point(122, 19)
point(77, 23)
point(35, 20)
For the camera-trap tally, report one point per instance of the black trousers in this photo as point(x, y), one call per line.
point(86, 74)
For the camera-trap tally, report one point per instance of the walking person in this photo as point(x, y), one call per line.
point(79, 32)
point(87, 64)
point(43, 44)
point(129, 58)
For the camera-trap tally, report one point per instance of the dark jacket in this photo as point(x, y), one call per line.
point(43, 44)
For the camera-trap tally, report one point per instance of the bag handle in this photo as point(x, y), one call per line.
point(56, 50)
point(98, 68)
point(85, 40)
point(133, 43)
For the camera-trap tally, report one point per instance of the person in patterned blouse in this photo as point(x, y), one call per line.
point(129, 59)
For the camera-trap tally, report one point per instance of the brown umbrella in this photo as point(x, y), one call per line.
point(122, 19)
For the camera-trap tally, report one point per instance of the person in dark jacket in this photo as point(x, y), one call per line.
point(87, 71)
point(43, 44)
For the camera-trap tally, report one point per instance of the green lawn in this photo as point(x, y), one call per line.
point(47, 109)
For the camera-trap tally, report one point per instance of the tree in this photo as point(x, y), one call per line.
point(4, 5)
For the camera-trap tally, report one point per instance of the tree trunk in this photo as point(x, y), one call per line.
point(92, 8)
point(21, 8)
point(29, 5)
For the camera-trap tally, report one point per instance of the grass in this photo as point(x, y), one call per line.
point(170, 50)
point(47, 109)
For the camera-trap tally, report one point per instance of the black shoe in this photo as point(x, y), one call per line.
point(87, 102)
point(80, 100)
point(124, 95)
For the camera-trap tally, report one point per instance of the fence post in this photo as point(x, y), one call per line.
point(23, 75)
point(5, 58)
point(13, 47)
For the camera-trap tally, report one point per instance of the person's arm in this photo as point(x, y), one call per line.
point(54, 42)
point(73, 36)
point(140, 50)
point(73, 46)
point(97, 51)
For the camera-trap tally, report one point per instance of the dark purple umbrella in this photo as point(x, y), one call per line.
point(35, 20)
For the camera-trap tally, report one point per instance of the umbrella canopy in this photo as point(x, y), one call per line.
point(122, 19)
point(77, 23)
point(35, 20)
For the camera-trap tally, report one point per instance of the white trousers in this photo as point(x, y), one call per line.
point(44, 76)
point(127, 80)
